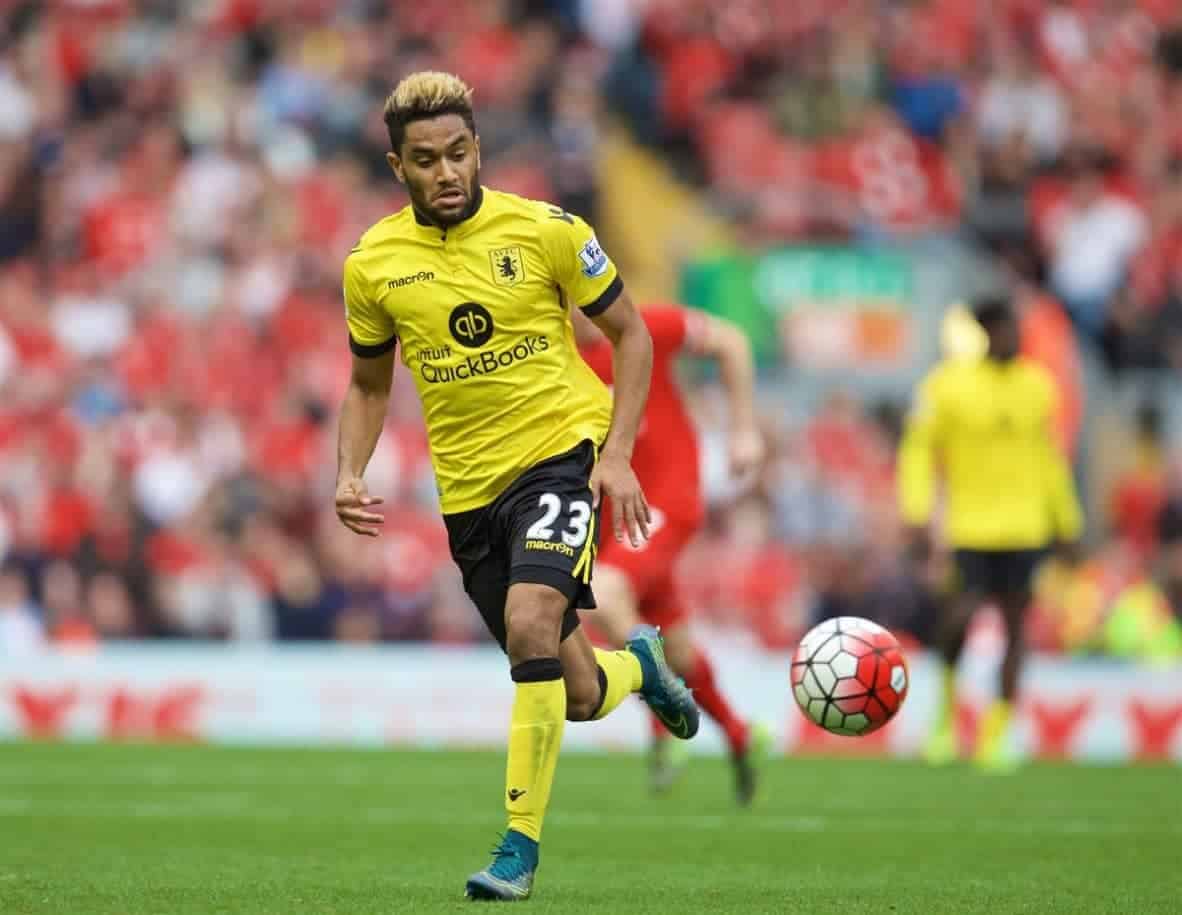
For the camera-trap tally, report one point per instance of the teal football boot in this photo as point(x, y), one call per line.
point(664, 692)
point(510, 876)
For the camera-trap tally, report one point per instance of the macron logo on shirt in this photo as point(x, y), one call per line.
point(421, 276)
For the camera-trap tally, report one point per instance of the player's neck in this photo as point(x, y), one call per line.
point(470, 211)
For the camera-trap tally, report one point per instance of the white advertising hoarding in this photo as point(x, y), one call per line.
point(430, 696)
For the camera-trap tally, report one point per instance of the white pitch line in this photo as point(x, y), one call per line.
point(233, 806)
point(53, 776)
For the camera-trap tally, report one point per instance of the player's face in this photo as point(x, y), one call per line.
point(1004, 339)
point(439, 163)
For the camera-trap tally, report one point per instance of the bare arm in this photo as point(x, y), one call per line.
point(632, 367)
point(916, 473)
point(363, 414)
point(719, 339)
point(632, 364)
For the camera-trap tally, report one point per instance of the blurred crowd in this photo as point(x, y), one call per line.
point(179, 183)
point(1044, 126)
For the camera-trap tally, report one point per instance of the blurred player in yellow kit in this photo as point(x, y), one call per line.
point(985, 427)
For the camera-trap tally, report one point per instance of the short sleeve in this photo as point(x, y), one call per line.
point(668, 325)
point(371, 329)
point(927, 403)
point(581, 267)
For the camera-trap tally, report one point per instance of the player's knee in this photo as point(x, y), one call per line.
point(1015, 635)
point(616, 603)
point(533, 621)
point(968, 603)
point(960, 612)
point(1013, 608)
point(679, 650)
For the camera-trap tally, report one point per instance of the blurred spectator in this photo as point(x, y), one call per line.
point(1139, 493)
point(110, 606)
point(306, 606)
point(1091, 237)
point(1047, 338)
point(65, 612)
point(575, 136)
point(1019, 102)
point(21, 630)
point(1143, 626)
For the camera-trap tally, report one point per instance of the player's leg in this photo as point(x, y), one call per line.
point(545, 528)
point(747, 744)
point(1015, 577)
point(539, 702)
point(618, 574)
point(597, 681)
point(973, 572)
point(616, 611)
point(533, 621)
point(613, 606)
point(623, 576)
point(688, 660)
point(680, 650)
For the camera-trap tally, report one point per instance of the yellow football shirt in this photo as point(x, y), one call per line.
point(989, 427)
point(480, 313)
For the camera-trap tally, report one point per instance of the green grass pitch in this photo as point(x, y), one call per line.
point(130, 830)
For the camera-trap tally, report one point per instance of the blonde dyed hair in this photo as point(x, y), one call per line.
point(426, 94)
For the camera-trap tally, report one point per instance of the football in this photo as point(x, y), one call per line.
point(849, 676)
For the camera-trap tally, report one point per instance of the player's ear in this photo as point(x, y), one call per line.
point(476, 146)
point(395, 164)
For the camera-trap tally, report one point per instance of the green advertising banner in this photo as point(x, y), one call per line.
point(818, 307)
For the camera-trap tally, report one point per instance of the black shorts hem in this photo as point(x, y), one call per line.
point(577, 594)
point(997, 573)
point(558, 579)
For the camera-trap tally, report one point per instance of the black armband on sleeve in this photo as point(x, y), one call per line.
point(371, 350)
point(604, 302)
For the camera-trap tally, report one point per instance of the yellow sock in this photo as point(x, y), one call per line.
point(622, 677)
point(948, 708)
point(993, 727)
point(535, 737)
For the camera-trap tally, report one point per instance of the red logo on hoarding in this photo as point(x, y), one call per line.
point(1154, 728)
point(169, 716)
point(43, 714)
point(1056, 726)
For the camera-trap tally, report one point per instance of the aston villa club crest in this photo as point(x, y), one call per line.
point(508, 266)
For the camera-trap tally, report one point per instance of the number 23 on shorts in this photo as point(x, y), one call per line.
point(576, 523)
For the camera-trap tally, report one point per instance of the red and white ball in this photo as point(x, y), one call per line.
point(849, 676)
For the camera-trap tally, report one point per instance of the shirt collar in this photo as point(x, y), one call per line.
point(469, 220)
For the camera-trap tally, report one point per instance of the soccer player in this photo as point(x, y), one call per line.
point(637, 583)
point(990, 425)
point(474, 288)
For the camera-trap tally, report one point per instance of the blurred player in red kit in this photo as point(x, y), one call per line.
point(635, 584)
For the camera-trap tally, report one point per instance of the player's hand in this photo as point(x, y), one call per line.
point(747, 450)
point(353, 502)
point(1070, 553)
point(613, 478)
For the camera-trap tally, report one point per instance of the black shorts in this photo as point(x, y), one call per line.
point(541, 530)
point(997, 573)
